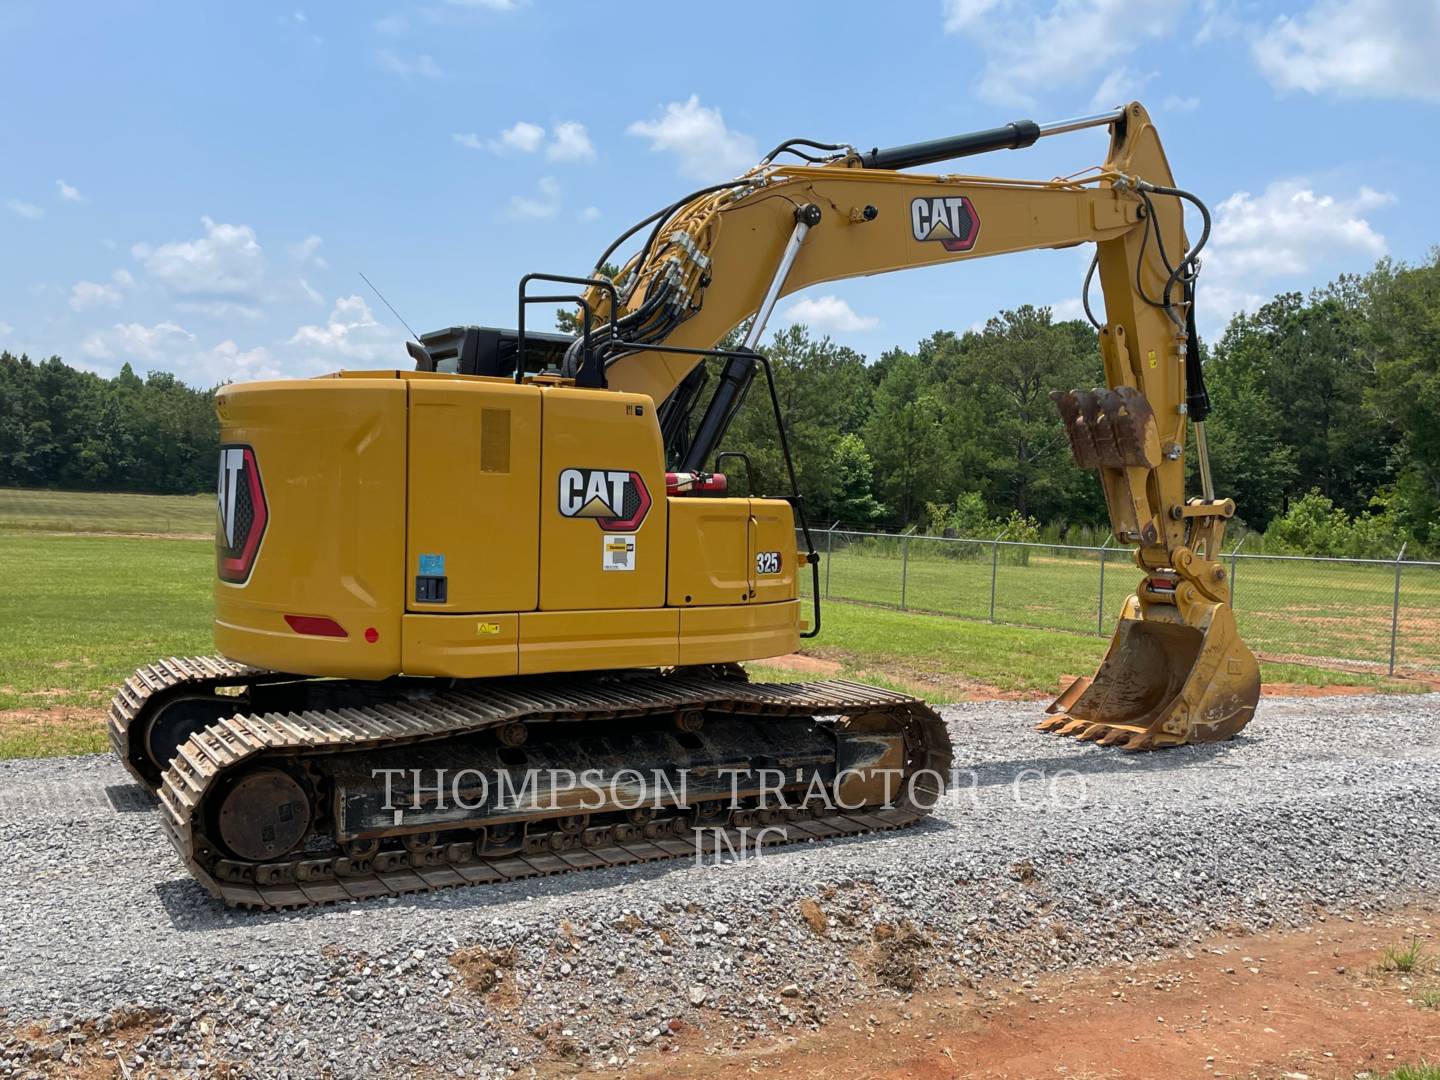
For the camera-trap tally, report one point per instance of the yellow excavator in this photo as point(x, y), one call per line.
point(483, 620)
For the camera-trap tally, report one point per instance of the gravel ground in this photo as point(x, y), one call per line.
point(1091, 856)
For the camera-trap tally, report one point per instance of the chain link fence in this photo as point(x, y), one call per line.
point(1374, 615)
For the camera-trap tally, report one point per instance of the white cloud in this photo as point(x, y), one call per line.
point(590, 213)
point(539, 207)
point(1031, 48)
point(351, 333)
point(570, 142)
point(1357, 48)
point(221, 309)
point(1069, 308)
point(127, 341)
point(69, 193)
point(1287, 231)
point(310, 292)
point(89, 294)
point(226, 261)
point(307, 252)
point(24, 209)
point(391, 25)
point(489, 5)
point(696, 134)
point(523, 138)
point(830, 314)
point(226, 362)
point(6, 329)
point(1119, 87)
point(423, 65)
point(1177, 103)
point(963, 14)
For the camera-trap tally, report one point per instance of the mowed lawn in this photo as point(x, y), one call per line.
point(91, 512)
point(79, 612)
point(77, 615)
point(1324, 612)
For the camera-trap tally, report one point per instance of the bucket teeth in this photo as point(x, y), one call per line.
point(1077, 727)
point(1053, 723)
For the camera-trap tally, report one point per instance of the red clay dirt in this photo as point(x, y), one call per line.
point(1311, 1003)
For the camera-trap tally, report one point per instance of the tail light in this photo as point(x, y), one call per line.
point(319, 626)
point(242, 514)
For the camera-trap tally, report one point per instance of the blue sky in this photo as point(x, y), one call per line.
point(195, 187)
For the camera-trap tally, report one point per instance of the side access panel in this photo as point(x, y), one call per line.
point(773, 556)
point(710, 559)
point(474, 508)
point(602, 502)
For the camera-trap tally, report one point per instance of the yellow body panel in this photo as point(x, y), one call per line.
point(772, 533)
point(332, 459)
point(364, 475)
point(591, 640)
point(591, 440)
point(722, 635)
point(461, 646)
point(474, 497)
point(709, 549)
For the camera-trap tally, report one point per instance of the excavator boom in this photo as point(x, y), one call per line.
point(1176, 671)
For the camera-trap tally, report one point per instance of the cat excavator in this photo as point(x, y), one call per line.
point(484, 619)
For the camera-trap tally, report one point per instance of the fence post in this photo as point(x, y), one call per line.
point(1395, 608)
point(905, 563)
point(829, 556)
point(1100, 607)
point(1233, 564)
point(995, 567)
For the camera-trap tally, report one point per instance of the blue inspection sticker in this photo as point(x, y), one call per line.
point(432, 565)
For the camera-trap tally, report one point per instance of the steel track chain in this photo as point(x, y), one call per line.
point(148, 688)
point(216, 752)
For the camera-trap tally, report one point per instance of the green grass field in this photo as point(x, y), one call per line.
point(78, 613)
point(86, 512)
point(1320, 612)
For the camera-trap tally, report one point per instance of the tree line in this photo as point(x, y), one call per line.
point(1325, 430)
point(63, 428)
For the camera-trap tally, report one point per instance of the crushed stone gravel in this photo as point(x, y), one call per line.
point(1048, 854)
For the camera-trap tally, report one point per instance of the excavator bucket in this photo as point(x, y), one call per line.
point(1163, 683)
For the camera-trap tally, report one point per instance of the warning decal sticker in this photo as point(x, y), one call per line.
point(618, 552)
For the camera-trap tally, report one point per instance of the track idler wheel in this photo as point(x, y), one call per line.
point(177, 720)
point(1163, 683)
